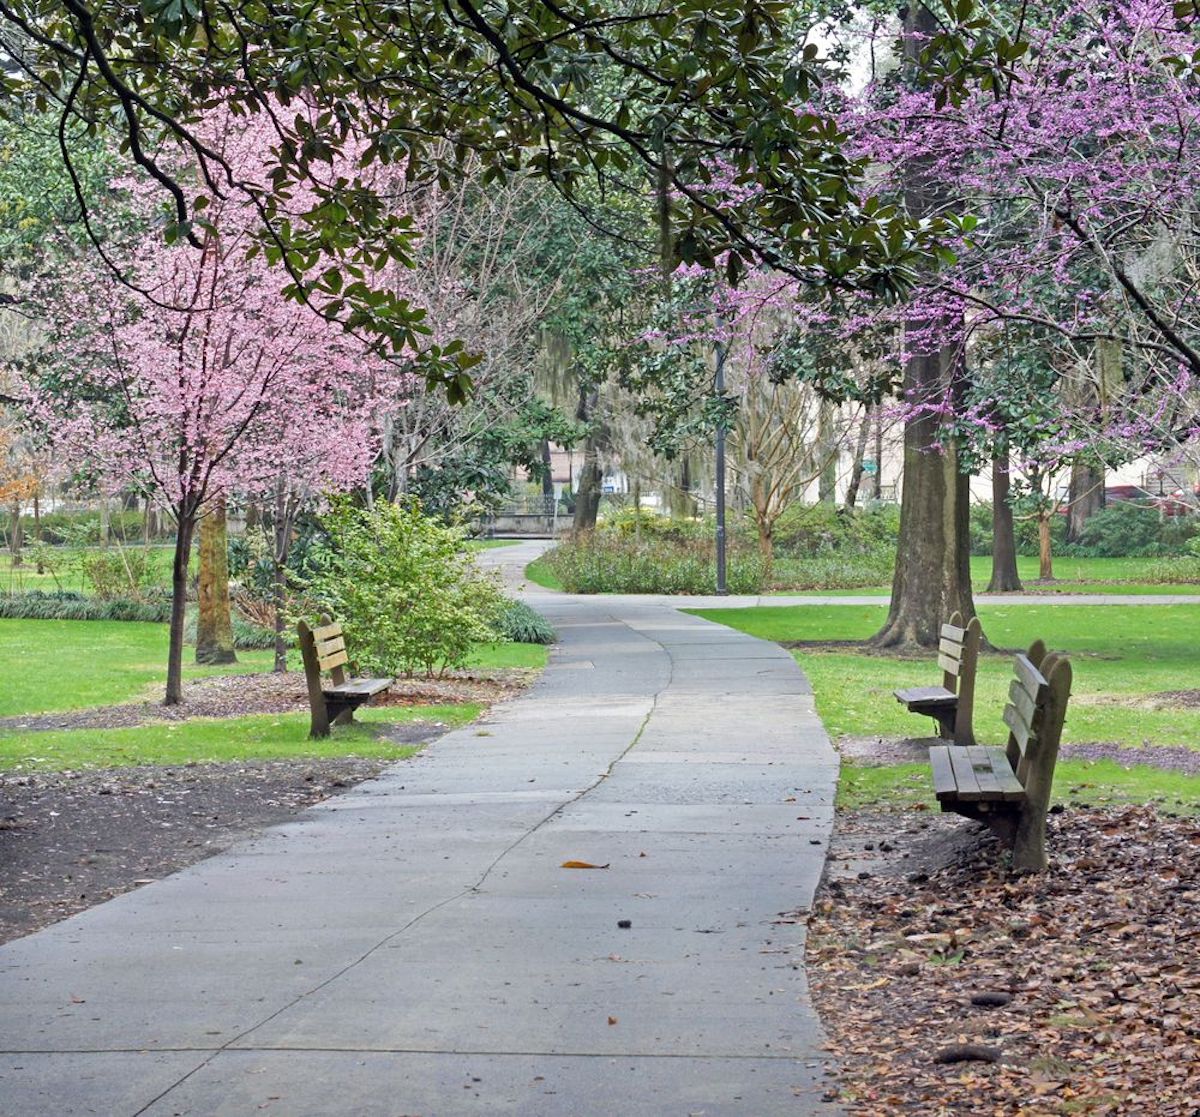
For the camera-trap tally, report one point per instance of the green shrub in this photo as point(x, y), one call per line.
point(402, 583)
point(981, 532)
point(1123, 529)
point(523, 625)
point(1172, 571)
point(822, 528)
point(609, 561)
point(83, 528)
point(835, 571)
point(68, 606)
point(117, 572)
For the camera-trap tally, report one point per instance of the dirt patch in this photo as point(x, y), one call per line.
point(231, 696)
point(1074, 991)
point(69, 840)
point(1159, 700)
point(869, 751)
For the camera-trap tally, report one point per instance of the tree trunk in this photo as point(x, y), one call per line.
point(16, 536)
point(1005, 578)
point(827, 448)
point(214, 625)
point(1086, 496)
point(279, 559)
point(105, 522)
point(547, 473)
point(37, 531)
point(860, 453)
point(933, 558)
point(1045, 558)
point(877, 476)
point(179, 574)
point(587, 494)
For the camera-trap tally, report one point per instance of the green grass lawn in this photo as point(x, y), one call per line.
point(1126, 651)
point(1071, 575)
point(217, 740)
point(539, 573)
point(490, 544)
point(71, 665)
point(63, 571)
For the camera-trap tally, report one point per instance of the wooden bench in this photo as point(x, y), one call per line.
point(951, 705)
point(1009, 788)
point(324, 649)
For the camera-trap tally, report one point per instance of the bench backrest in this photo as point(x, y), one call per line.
point(324, 647)
point(1036, 710)
point(958, 657)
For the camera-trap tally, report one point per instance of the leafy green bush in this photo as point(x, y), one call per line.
point(67, 606)
point(402, 584)
point(1172, 571)
point(1123, 529)
point(523, 625)
point(117, 572)
point(83, 528)
point(981, 528)
point(609, 561)
point(822, 528)
point(835, 570)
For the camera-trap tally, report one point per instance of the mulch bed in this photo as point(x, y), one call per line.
point(949, 985)
point(231, 696)
point(72, 839)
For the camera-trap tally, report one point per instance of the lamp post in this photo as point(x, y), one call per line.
point(719, 388)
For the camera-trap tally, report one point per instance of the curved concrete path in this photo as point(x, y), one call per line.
point(415, 947)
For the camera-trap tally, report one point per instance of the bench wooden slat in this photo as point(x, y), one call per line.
point(1002, 782)
point(948, 664)
point(950, 648)
point(1031, 678)
point(927, 696)
point(1019, 697)
point(953, 632)
point(338, 659)
point(964, 774)
point(326, 631)
point(358, 686)
point(944, 786)
point(328, 647)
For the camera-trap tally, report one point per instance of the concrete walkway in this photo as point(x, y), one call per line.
point(415, 947)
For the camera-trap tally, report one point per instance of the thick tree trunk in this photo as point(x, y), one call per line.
point(1045, 556)
point(214, 624)
point(179, 574)
point(587, 493)
point(860, 453)
point(827, 448)
point(933, 559)
point(16, 534)
point(1086, 496)
point(1005, 578)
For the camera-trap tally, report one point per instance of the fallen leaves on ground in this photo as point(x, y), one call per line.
point(1085, 979)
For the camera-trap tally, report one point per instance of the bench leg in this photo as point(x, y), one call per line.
point(945, 722)
point(320, 719)
point(341, 710)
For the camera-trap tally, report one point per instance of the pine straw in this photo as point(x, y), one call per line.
point(1101, 955)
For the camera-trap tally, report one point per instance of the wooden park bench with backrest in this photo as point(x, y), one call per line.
point(951, 705)
point(324, 649)
point(1009, 788)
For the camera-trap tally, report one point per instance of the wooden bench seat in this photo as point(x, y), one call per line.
point(1009, 788)
point(951, 705)
point(323, 648)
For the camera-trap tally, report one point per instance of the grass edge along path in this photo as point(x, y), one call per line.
point(225, 740)
point(1124, 655)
